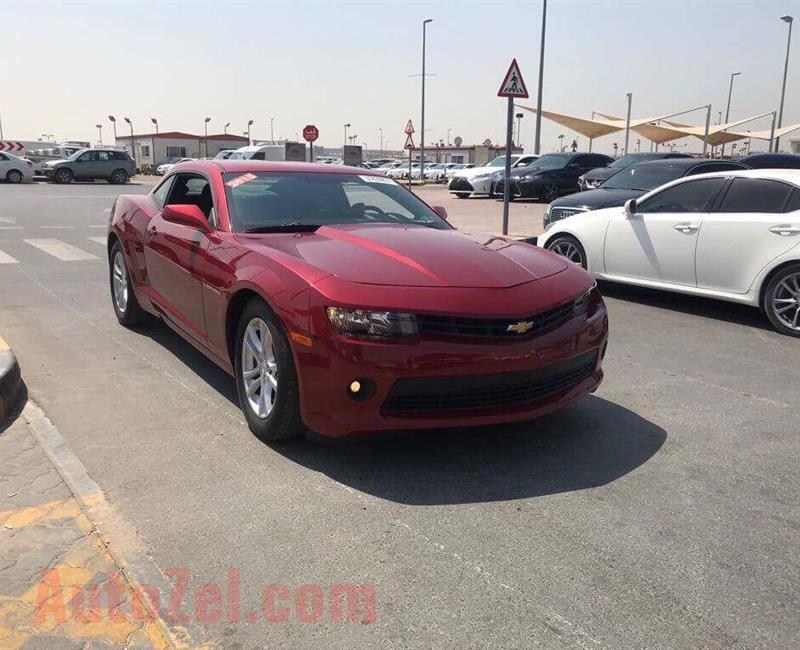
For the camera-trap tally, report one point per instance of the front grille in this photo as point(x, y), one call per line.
point(495, 327)
point(460, 185)
point(427, 394)
point(556, 214)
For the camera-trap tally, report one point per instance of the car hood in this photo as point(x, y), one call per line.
point(600, 174)
point(472, 172)
point(596, 199)
point(410, 256)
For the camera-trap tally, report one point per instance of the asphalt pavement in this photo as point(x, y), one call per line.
point(660, 512)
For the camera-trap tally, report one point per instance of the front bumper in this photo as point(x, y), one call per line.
point(473, 185)
point(415, 382)
point(517, 190)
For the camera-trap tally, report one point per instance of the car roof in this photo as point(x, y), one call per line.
point(244, 166)
point(787, 175)
point(766, 154)
point(685, 163)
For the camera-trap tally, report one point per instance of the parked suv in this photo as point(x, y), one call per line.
point(90, 164)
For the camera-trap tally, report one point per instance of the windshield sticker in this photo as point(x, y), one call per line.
point(241, 180)
point(377, 179)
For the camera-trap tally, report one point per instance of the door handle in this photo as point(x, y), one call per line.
point(686, 228)
point(785, 230)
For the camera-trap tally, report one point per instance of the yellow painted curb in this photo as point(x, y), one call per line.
point(3, 344)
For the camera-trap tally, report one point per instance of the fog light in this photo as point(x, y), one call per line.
point(360, 389)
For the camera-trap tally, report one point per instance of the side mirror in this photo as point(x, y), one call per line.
point(186, 214)
point(440, 210)
point(630, 208)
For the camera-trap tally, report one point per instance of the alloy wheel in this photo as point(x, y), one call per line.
point(120, 282)
point(259, 368)
point(568, 249)
point(786, 301)
point(14, 177)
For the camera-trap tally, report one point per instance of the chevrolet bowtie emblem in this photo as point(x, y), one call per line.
point(521, 327)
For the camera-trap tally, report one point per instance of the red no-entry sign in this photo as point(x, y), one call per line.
point(310, 133)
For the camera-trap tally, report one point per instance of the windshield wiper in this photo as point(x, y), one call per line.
point(295, 226)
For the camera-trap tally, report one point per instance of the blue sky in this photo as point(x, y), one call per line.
point(336, 62)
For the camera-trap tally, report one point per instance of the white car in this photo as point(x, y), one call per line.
point(455, 168)
point(166, 167)
point(401, 171)
point(14, 169)
point(434, 171)
point(728, 235)
point(478, 180)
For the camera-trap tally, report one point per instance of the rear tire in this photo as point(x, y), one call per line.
point(119, 177)
point(266, 379)
point(782, 300)
point(123, 298)
point(14, 177)
point(63, 176)
point(461, 195)
point(550, 193)
point(569, 248)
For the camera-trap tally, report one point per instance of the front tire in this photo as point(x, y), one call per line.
point(63, 176)
point(14, 177)
point(266, 379)
point(461, 195)
point(549, 192)
point(569, 248)
point(123, 298)
point(782, 300)
point(119, 177)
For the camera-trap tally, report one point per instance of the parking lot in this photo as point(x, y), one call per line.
point(657, 512)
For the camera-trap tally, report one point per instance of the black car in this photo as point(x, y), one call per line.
point(771, 161)
point(594, 178)
point(632, 183)
point(550, 176)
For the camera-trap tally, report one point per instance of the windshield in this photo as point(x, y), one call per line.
point(644, 176)
point(500, 161)
point(625, 161)
point(550, 161)
point(260, 200)
point(77, 154)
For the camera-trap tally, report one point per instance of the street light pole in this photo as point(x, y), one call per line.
point(422, 120)
point(789, 20)
point(448, 136)
point(628, 124)
point(272, 130)
point(519, 134)
point(133, 148)
point(249, 139)
point(225, 129)
point(708, 125)
point(538, 136)
point(728, 110)
point(155, 121)
point(205, 125)
point(346, 126)
point(113, 121)
point(99, 132)
point(381, 132)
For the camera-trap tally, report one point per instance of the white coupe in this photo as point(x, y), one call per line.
point(728, 235)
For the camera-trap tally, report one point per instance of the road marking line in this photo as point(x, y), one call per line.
point(10, 227)
point(8, 220)
point(100, 225)
point(60, 250)
point(5, 258)
point(98, 240)
point(57, 227)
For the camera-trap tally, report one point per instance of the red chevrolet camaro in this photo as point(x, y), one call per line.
point(344, 305)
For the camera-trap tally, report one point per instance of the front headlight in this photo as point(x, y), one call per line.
point(364, 322)
point(582, 301)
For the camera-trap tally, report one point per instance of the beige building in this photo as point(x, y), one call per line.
point(155, 148)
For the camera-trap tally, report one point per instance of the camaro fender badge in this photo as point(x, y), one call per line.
point(520, 328)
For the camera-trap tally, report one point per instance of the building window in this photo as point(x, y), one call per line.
point(457, 159)
point(145, 151)
point(176, 152)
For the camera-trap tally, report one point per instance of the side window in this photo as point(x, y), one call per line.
point(160, 195)
point(194, 190)
point(794, 201)
point(691, 196)
point(258, 155)
point(103, 155)
point(3, 156)
point(709, 168)
point(89, 156)
point(755, 195)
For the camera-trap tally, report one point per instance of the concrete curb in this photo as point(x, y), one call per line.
point(116, 535)
point(10, 380)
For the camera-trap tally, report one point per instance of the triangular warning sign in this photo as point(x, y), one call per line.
point(409, 142)
point(513, 84)
point(409, 128)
